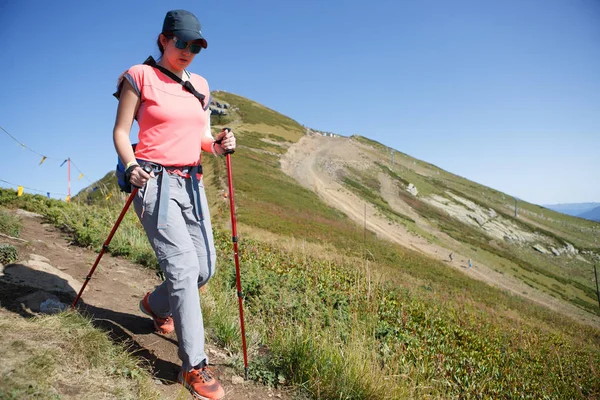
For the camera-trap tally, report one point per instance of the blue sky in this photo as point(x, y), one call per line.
point(505, 93)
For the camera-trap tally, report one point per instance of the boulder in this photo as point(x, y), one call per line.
point(38, 273)
point(570, 249)
point(540, 248)
point(35, 300)
point(555, 251)
point(412, 189)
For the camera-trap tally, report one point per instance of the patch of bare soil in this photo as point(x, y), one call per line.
point(313, 162)
point(112, 299)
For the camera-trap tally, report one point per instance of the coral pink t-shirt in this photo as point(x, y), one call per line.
point(172, 121)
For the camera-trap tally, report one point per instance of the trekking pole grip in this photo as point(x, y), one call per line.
point(220, 140)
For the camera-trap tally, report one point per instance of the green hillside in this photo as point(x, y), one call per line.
point(340, 314)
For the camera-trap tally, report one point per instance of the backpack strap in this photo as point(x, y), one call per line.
point(187, 85)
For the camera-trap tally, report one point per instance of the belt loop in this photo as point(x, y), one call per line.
point(196, 191)
point(163, 200)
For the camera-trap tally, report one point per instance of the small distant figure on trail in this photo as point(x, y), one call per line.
point(451, 256)
point(470, 263)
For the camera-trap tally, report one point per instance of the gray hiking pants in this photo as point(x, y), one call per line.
point(186, 254)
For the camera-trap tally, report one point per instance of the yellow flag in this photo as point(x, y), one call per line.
point(109, 195)
point(80, 176)
point(20, 191)
point(68, 199)
point(43, 159)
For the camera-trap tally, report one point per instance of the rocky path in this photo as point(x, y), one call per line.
point(47, 262)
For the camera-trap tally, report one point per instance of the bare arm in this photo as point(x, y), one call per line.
point(129, 103)
point(207, 138)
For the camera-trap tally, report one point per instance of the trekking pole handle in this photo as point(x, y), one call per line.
point(220, 140)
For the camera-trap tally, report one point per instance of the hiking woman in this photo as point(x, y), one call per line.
point(171, 204)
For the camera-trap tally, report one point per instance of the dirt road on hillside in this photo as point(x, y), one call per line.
point(112, 299)
point(314, 161)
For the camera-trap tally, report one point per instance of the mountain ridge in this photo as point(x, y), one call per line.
point(405, 200)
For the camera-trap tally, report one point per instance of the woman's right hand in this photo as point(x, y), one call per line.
point(139, 177)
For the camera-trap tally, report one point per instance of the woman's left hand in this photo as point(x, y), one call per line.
point(227, 141)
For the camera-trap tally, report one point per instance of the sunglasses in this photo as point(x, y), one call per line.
point(182, 45)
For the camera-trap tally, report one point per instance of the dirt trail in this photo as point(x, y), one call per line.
point(313, 162)
point(112, 299)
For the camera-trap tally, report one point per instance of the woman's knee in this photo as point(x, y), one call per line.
point(207, 268)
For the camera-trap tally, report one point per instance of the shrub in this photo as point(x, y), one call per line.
point(9, 223)
point(8, 254)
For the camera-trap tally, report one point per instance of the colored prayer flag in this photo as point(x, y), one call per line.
point(109, 195)
point(20, 191)
point(80, 176)
point(43, 159)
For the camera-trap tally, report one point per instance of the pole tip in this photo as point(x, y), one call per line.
point(246, 373)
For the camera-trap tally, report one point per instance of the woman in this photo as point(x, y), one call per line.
point(171, 203)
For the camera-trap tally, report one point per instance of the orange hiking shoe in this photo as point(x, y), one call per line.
point(201, 383)
point(162, 325)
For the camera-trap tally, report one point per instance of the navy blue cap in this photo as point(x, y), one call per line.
point(184, 25)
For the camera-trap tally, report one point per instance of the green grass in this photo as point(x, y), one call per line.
point(367, 188)
point(257, 140)
point(396, 325)
point(8, 254)
point(254, 113)
point(48, 357)
point(10, 224)
point(333, 331)
point(339, 335)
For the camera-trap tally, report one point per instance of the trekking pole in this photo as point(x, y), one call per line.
point(234, 239)
point(108, 239)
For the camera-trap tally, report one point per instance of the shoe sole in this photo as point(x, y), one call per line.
point(192, 391)
point(143, 309)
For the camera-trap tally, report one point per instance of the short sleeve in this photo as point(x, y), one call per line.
point(135, 76)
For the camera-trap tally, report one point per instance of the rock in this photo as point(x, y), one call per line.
point(493, 213)
point(237, 380)
point(28, 214)
point(569, 248)
point(39, 274)
point(412, 189)
point(35, 257)
point(51, 306)
point(478, 218)
point(540, 248)
point(34, 300)
point(555, 251)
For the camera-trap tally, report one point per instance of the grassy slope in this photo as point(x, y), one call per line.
point(269, 200)
point(64, 356)
point(568, 278)
point(399, 325)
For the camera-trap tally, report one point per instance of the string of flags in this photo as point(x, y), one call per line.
point(21, 188)
point(43, 159)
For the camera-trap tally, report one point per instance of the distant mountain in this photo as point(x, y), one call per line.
point(592, 215)
point(574, 209)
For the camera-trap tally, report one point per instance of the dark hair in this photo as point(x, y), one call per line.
point(168, 35)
